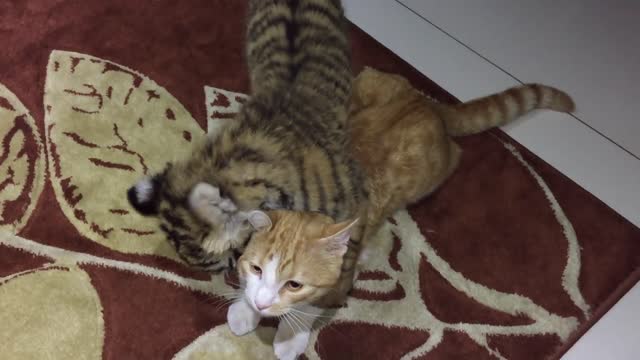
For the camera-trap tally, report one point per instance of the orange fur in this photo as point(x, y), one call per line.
point(303, 243)
point(404, 140)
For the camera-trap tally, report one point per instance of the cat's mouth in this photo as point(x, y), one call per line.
point(269, 312)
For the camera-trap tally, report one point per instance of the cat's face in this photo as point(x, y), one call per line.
point(203, 226)
point(293, 259)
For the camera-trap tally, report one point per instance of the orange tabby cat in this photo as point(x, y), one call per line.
point(292, 263)
point(298, 263)
point(404, 139)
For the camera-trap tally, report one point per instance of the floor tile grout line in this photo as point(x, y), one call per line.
point(513, 76)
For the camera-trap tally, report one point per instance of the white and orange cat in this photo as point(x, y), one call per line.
point(299, 263)
point(292, 263)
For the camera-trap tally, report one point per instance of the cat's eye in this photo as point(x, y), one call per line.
point(255, 269)
point(293, 285)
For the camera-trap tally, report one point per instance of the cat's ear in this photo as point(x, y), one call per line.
point(259, 220)
point(208, 204)
point(144, 196)
point(337, 240)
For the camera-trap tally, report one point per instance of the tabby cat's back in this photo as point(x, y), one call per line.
point(287, 147)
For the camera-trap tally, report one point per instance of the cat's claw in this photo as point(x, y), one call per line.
point(242, 318)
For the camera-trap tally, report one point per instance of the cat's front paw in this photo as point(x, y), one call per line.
point(289, 350)
point(242, 318)
point(289, 343)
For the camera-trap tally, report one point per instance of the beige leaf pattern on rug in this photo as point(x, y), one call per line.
point(408, 311)
point(106, 127)
point(21, 162)
point(221, 343)
point(51, 312)
point(222, 106)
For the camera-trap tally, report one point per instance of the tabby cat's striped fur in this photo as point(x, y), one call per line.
point(287, 148)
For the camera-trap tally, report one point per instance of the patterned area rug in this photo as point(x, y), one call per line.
point(509, 260)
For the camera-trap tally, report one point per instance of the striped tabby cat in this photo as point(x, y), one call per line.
point(287, 148)
point(294, 262)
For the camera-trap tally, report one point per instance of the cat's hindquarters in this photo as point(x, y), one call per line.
point(495, 110)
point(321, 52)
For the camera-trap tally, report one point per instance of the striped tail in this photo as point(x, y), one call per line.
point(484, 113)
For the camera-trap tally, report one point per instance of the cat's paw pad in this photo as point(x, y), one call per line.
point(242, 319)
point(289, 350)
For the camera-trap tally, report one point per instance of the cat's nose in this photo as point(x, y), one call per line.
point(265, 297)
point(261, 306)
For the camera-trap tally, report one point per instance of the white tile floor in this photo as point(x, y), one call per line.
point(476, 47)
point(586, 46)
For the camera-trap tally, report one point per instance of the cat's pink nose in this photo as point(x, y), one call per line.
point(261, 306)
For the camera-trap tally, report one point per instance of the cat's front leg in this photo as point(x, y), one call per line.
point(242, 318)
point(291, 342)
point(288, 346)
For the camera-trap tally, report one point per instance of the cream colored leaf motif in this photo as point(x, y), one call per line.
point(571, 273)
point(21, 163)
point(58, 255)
point(411, 312)
point(50, 313)
point(221, 343)
point(222, 106)
point(106, 127)
point(408, 312)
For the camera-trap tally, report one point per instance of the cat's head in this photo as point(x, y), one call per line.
point(201, 223)
point(293, 259)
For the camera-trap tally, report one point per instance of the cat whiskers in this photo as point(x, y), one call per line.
point(311, 314)
point(287, 320)
point(322, 320)
point(226, 299)
point(299, 324)
point(306, 319)
point(225, 302)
